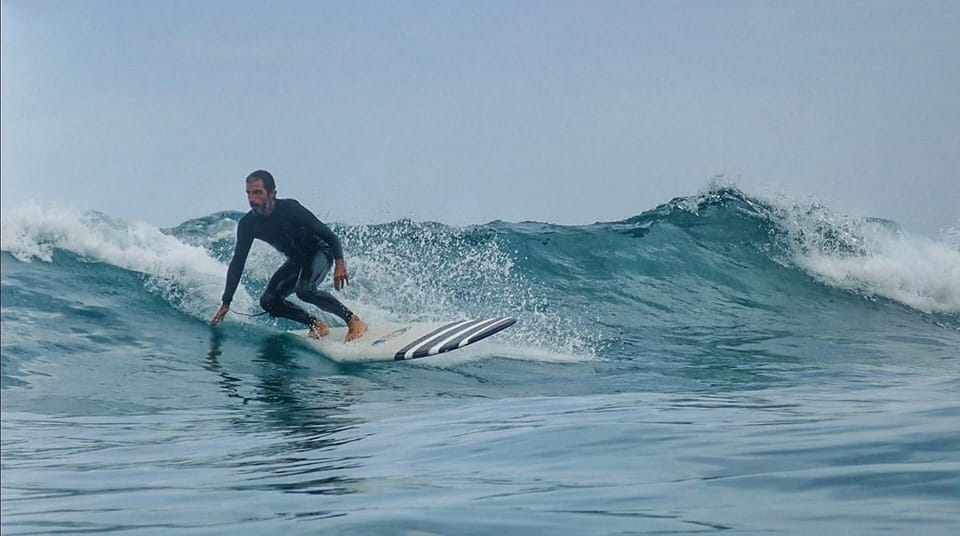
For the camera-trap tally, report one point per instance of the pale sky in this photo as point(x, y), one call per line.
point(469, 111)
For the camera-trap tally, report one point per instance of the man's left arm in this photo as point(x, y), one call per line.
point(340, 277)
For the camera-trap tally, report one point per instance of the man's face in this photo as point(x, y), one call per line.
point(260, 200)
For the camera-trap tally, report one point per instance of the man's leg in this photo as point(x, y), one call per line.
point(306, 286)
point(281, 285)
point(306, 289)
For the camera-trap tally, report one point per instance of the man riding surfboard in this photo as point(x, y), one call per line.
point(311, 249)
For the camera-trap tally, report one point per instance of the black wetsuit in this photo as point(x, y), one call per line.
point(310, 247)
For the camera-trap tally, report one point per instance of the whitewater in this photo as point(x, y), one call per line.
point(721, 362)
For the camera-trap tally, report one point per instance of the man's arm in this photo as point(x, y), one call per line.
point(240, 252)
point(308, 219)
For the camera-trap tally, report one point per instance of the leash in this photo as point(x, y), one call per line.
point(251, 316)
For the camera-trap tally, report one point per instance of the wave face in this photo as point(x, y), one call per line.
point(684, 310)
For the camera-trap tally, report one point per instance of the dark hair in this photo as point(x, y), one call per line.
point(264, 176)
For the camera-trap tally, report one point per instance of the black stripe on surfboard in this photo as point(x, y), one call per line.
point(454, 335)
point(427, 347)
point(480, 332)
point(399, 356)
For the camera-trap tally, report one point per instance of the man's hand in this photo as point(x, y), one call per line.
point(340, 278)
point(224, 309)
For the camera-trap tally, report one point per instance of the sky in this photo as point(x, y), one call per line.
point(465, 112)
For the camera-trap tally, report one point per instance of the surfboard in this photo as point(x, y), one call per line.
point(399, 342)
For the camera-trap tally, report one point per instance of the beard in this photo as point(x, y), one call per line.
point(261, 209)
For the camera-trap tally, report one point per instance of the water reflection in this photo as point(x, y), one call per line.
point(300, 418)
point(228, 383)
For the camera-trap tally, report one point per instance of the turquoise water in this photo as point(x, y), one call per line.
point(717, 363)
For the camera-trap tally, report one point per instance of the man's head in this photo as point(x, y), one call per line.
point(261, 192)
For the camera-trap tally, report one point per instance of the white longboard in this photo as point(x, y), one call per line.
point(397, 342)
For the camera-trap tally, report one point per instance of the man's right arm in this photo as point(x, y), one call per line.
point(240, 252)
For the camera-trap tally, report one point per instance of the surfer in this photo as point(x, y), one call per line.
point(310, 247)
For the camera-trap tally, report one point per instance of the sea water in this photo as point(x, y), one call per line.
point(718, 363)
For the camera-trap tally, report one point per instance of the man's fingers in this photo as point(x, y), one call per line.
point(222, 312)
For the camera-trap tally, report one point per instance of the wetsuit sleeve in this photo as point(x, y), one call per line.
point(308, 220)
point(242, 249)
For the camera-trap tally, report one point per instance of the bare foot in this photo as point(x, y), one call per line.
point(355, 328)
point(318, 329)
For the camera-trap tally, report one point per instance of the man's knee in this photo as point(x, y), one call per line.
point(306, 293)
point(269, 302)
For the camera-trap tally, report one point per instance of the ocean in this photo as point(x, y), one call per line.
point(721, 362)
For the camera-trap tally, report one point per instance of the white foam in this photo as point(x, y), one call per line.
point(873, 257)
point(951, 236)
point(912, 270)
point(186, 276)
